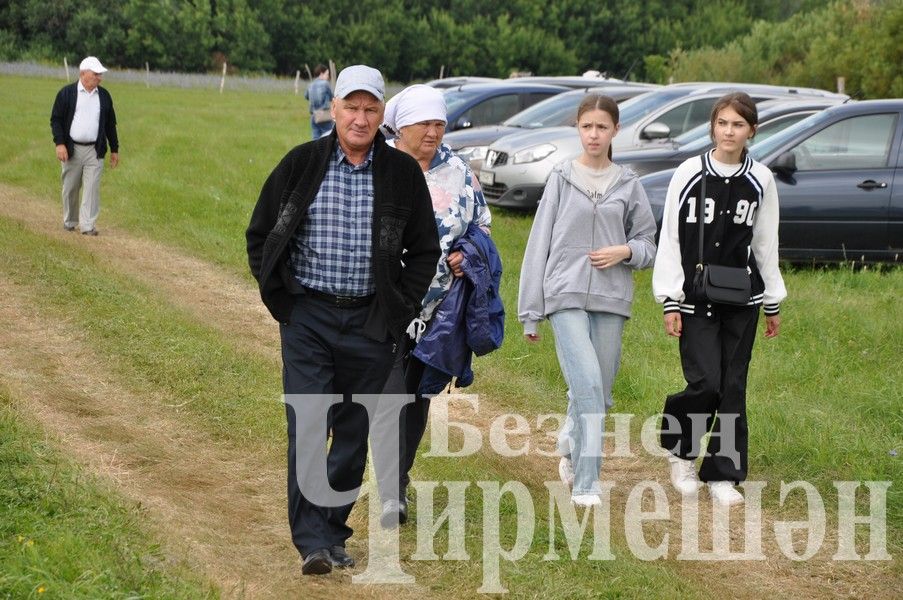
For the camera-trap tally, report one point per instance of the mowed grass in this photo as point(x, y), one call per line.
point(824, 398)
point(63, 534)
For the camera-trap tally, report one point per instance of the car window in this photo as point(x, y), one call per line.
point(454, 99)
point(765, 147)
point(553, 112)
point(639, 106)
point(688, 115)
point(856, 143)
point(766, 130)
point(493, 110)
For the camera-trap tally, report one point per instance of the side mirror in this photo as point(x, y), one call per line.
point(463, 123)
point(656, 131)
point(785, 165)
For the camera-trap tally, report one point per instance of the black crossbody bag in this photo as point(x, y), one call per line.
point(725, 285)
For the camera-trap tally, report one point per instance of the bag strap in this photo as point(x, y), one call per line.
point(701, 213)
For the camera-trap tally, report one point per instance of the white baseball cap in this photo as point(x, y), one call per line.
point(360, 77)
point(92, 64)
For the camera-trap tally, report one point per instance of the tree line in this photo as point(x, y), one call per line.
point(408, 40)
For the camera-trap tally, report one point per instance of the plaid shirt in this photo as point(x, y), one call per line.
point(331, 249)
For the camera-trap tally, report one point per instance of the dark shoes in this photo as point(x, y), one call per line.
point(90, 232)
point(340, 558)
point(394, 513)
point(69, 227)
point(318, 562)
point(322, 561)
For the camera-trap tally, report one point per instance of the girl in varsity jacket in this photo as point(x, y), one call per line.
point(740, 214)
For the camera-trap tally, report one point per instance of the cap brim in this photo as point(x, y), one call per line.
point(364, 88)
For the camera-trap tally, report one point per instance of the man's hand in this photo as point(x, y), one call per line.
point(114, 159)
point(62, 154)
point(532, 337)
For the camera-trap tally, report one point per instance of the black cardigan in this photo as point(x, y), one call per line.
point(403, 219)
point(64, 110)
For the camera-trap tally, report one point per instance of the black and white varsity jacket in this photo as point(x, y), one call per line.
point(741, 229)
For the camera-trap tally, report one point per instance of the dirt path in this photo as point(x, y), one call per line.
point(226, 508)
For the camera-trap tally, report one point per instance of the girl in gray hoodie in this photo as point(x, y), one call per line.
point(592, 229)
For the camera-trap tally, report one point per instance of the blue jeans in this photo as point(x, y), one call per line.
point(318, 130)
point(589, 352)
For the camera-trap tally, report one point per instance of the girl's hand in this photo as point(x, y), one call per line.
point(772, 325)
point(609, 256)
point(673, 324)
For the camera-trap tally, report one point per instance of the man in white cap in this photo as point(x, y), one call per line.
point(325, 244)
point(82, 122)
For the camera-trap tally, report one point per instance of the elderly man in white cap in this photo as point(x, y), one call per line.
point(416, 116)
point(82, 122)
point(325, 244)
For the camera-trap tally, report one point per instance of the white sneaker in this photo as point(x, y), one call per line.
point(683, 475)
point(566, 470)
point(587, 500)
point(724, 493)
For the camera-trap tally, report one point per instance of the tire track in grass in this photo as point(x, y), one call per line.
point(220, 507)
point(238, 313)
point(194, 284)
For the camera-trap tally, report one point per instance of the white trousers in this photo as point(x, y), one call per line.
point(81, 173)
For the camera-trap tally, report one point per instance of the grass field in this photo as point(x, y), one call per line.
point(825, 403)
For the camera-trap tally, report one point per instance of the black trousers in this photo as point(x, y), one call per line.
point(714, 353)
point(324, 352)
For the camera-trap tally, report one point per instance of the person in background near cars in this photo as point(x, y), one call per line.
point(417, 117)
point(325, 245)
point(741, 230)
point(82, 122)
point(592, 228)
point(319, 97)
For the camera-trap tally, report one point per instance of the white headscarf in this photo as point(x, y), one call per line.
point(414, 104)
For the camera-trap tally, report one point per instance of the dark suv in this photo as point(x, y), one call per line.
point(839, 176)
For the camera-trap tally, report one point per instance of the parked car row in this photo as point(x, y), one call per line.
point(646, 120)
point(839, 175)
point(838, 164)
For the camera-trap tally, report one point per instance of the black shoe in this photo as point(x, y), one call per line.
point(340, 558)
point(395, 513)
point(90, 232)
point(318, 562)
point(69, 227)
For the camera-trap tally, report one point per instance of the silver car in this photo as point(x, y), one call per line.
point(517, 166)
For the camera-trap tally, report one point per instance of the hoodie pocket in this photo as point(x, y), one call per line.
point(569, 271)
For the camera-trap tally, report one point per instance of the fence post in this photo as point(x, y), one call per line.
point(146, 74)
point(297, 77)
point(222, 82)
point(66, 65)
point(841, 85)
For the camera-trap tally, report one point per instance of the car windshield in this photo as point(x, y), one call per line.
point(455, 98)
point(639, 106)
point(556, 111)
point(766, 147)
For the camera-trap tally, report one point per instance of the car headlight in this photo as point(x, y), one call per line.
point(473, 152)
point(533, 154)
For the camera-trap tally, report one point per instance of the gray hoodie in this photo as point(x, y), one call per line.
point(556, 273)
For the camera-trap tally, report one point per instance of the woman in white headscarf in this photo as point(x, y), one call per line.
point(416, 116)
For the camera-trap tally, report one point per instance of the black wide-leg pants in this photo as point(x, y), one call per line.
point(714, 352)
